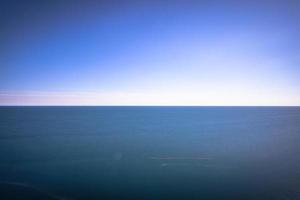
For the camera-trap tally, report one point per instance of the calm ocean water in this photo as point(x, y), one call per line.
point(137, 153)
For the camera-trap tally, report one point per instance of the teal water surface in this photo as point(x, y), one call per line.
point(149, 153)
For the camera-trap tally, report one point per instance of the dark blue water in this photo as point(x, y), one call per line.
point(149, 153)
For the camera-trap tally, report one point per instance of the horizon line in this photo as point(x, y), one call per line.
point(78, 105)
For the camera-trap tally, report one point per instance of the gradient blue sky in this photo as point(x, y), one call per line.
point(149, 52)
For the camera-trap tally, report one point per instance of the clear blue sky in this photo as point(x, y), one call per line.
point(150, 52)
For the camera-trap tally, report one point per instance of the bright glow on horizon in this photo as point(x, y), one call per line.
point(164, 99)
point(155, 54)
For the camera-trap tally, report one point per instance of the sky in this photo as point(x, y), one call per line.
point(168, 52)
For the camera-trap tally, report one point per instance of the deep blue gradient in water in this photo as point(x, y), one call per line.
point(149, 153)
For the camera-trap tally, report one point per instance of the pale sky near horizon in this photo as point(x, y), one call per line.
point(150, 52)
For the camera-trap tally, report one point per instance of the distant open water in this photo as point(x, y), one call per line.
point(149, 153)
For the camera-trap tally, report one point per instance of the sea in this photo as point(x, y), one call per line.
point(149, 153)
